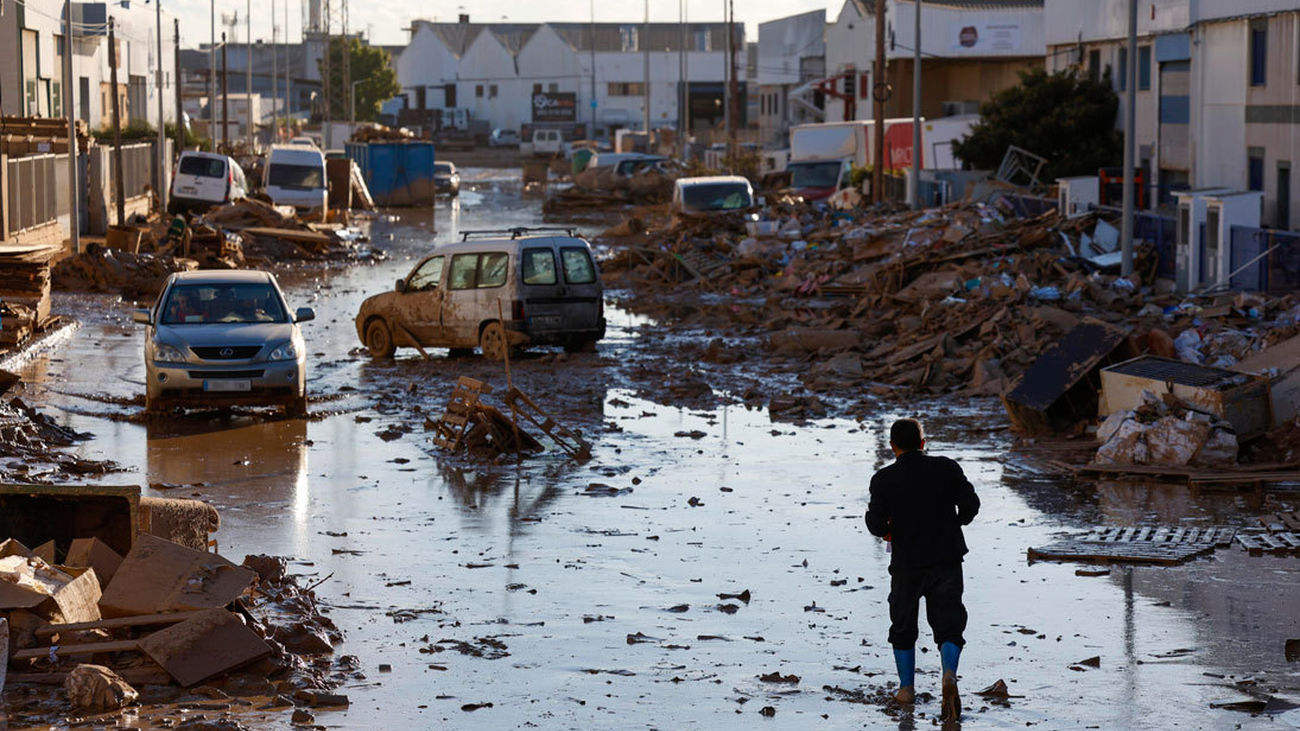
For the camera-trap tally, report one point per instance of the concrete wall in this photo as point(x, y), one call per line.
point(1273, 114)
point(784, 41)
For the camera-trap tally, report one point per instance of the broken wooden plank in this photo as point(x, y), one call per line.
point(116, 622)
point(159, 576)
point(89, 648)
point(204, 646)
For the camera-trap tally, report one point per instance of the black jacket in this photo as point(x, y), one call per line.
point(923, 501)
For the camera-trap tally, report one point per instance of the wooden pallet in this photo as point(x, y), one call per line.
point(702, 265)
point(1281, 543)
point(449, 430)
point(1280, 522)
point(1141, 544)
point(567, 439)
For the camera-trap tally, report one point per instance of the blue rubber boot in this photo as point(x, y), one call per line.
point(949, 654)
point(905, 661)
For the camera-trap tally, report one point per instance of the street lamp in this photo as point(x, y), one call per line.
point(352, 104)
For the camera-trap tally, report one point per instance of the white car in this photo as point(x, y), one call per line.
point(205, 179)
point(224, 338)
point(548, 142)
point(295, 176)
point(503, 138)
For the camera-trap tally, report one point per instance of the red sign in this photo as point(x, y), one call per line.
point(898, 146)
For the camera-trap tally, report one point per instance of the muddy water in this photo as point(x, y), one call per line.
point(586, 596)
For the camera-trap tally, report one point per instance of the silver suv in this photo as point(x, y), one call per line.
point(495, 292)
point(221, 338)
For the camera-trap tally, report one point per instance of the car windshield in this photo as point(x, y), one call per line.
point(716, 196)
point(207, 167)
point(202, 304)
point(815, 174)
point(442, 168)
point(285, 175)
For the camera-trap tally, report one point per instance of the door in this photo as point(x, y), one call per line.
point(1284, 196)
point(582, 290)
point(421, 303)
point(475, 283)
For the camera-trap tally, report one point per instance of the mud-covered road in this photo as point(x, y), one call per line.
point(555, 595)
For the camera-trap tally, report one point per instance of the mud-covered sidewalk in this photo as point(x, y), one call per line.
point(708, 568)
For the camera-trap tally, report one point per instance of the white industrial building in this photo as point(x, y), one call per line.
point(791, 55)
point(1218, 90)
point(494, 70)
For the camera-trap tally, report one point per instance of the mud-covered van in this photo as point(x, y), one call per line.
point(546, 288)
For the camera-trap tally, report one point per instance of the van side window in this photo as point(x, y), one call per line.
point(493, 269)
point(463, 268)
point(577, 265)
point(539, 266)
point(427, 277)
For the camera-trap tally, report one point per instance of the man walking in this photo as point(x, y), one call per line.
point(920, 503)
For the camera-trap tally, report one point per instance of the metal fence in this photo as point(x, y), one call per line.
point(137, 168)
point(38, 191)
point(1264, 260)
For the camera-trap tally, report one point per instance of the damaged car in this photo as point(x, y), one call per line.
point(224, 338)
point(495, 291)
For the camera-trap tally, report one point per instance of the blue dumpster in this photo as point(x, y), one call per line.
point(397, 173)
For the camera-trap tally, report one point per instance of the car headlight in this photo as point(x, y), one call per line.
point(286, 351)
point(164, 353)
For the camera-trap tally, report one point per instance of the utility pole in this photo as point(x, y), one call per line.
point(180, 112)
point(288, 96)
point(726, 78)
point(733, 107)
point(275, 60)
point(591, 38)
point(681, 79)
point(162, 132)
point(248, 70)
point(225, 94)
point(212, 75)
point(686, 77)
point(118, 183)
point(1130, 113)
point(916, 108)
point(74, 150)
point(879, 90)
point(645, 74)
point(347, 66)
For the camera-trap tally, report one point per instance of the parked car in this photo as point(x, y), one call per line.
point(205, 179)
point(445, 178)
point(711, 194)
point(295, 176)
point(548, 288)
point(306, 141)
point(221, 338)
point(548, 142)
point(502, 137)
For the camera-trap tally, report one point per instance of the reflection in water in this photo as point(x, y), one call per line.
point(260, 464)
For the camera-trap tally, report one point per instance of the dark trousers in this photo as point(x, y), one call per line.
point(941, 586)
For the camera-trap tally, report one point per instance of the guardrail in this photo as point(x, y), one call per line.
point(37, 188)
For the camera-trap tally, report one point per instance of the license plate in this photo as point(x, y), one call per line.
point(227, 385)
point(547, 321)
point(189, 189)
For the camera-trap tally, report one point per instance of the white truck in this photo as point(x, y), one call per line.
point(822, 154)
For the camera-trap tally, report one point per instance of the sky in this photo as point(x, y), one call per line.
point(384, 20)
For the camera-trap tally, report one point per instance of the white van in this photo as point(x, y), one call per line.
point(711, 194)
point(547, 142)
point(205, 179)
point(295, 176)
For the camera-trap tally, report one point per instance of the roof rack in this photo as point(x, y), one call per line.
point(517, 231)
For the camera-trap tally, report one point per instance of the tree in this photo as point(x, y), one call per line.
point(372, 74)
point(1064, 117)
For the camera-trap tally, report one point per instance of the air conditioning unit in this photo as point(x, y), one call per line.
point(1188, 247)
point(1076, 196)
point(1222, 212)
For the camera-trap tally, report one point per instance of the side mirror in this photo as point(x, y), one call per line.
point(304, 314)
point(142, 317)
point(400, 286)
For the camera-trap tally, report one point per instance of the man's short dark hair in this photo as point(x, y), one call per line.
point(906, 435)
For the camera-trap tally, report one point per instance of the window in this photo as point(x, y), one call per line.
point(537, 88)
point(1094, 65)
point(194, 304)
point(552, 87)
point(300, 177)
point(207, 167)
point(577, 265)
point(1144, 68)
point(479, 271)
point(539, 266)
point(626, 88)
point(703, 41)
point(628, 38)
point(1259, 52)
point(478, 91)
point(1255, 168)
point(492, 91)
point(1123, 68)
point(427, 276)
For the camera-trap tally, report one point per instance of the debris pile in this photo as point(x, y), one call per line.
point(1165, 431)
point(162, 615)
point(30, 440)
point(24, 292)
point(100, 269)
point(604, 187)
point(487, 433)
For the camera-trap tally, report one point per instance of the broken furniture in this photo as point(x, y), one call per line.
point(1061, 388)
point(450, 429)
point(567, 439)
point(468, 422)
point(1238, 398)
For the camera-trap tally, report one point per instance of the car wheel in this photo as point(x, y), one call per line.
point(379, 339)
point(492, 341)
point(297, 408)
